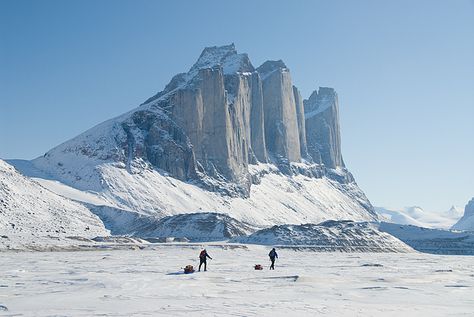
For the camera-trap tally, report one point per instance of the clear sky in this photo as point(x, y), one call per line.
point(404, 72)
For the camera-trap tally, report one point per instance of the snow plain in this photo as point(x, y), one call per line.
point(149, 282)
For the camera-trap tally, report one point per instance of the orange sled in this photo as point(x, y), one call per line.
point(188, 269)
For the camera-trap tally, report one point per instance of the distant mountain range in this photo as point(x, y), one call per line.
point(417, 216)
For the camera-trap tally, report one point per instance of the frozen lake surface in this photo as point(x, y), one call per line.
point(149, 283)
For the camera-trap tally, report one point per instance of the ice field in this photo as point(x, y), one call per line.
point(149, 282)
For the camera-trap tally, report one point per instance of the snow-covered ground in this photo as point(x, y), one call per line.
point(148, 283)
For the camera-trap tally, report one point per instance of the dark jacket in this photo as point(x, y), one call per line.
point(273, 254)
point(203, 255)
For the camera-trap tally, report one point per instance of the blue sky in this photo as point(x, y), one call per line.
point(404, 72)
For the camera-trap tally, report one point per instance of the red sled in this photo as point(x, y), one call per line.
point(188, 269)
point(258, 267)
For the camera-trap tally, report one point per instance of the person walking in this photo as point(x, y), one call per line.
point(273, 255)
point(203, 259)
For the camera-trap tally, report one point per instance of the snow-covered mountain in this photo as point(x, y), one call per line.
point(347, 236)
point(455, 213)
point(223, 137)
point(31, 215)
point(467, 220)
point(417, 216)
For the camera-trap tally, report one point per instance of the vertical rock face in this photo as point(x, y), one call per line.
point(215, 108)
point(216, 148)
point(257, 120)
point(281, 126)
point(187, 111)
point(301, 122)
point(322, 127)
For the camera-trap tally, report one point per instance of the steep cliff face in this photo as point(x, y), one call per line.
point(161, 142)
point(213, 103)
point(322, 127)
point(281, 124)
point(257, 120)
point(301, 123)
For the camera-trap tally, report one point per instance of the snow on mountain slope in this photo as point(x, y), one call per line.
point(330, 235)
point(467, 220)
point(455, 212)
point(31, 215)
point(278, 199)
point(416, 216)
point(435, 241)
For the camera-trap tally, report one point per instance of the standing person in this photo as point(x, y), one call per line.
point(203, 259)
point(273, 255)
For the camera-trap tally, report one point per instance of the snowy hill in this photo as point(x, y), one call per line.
point(31, 215)
point(133, 201)
point(330, 235)
point(435, 241)
point(203, 226)
point(417, 216)
point(467, 220)
point(223, 137)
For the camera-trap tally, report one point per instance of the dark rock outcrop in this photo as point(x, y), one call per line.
point(160, 141)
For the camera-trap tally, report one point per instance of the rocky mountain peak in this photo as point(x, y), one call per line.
point(270, 66)
point(223, 56)
point(319, 101)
